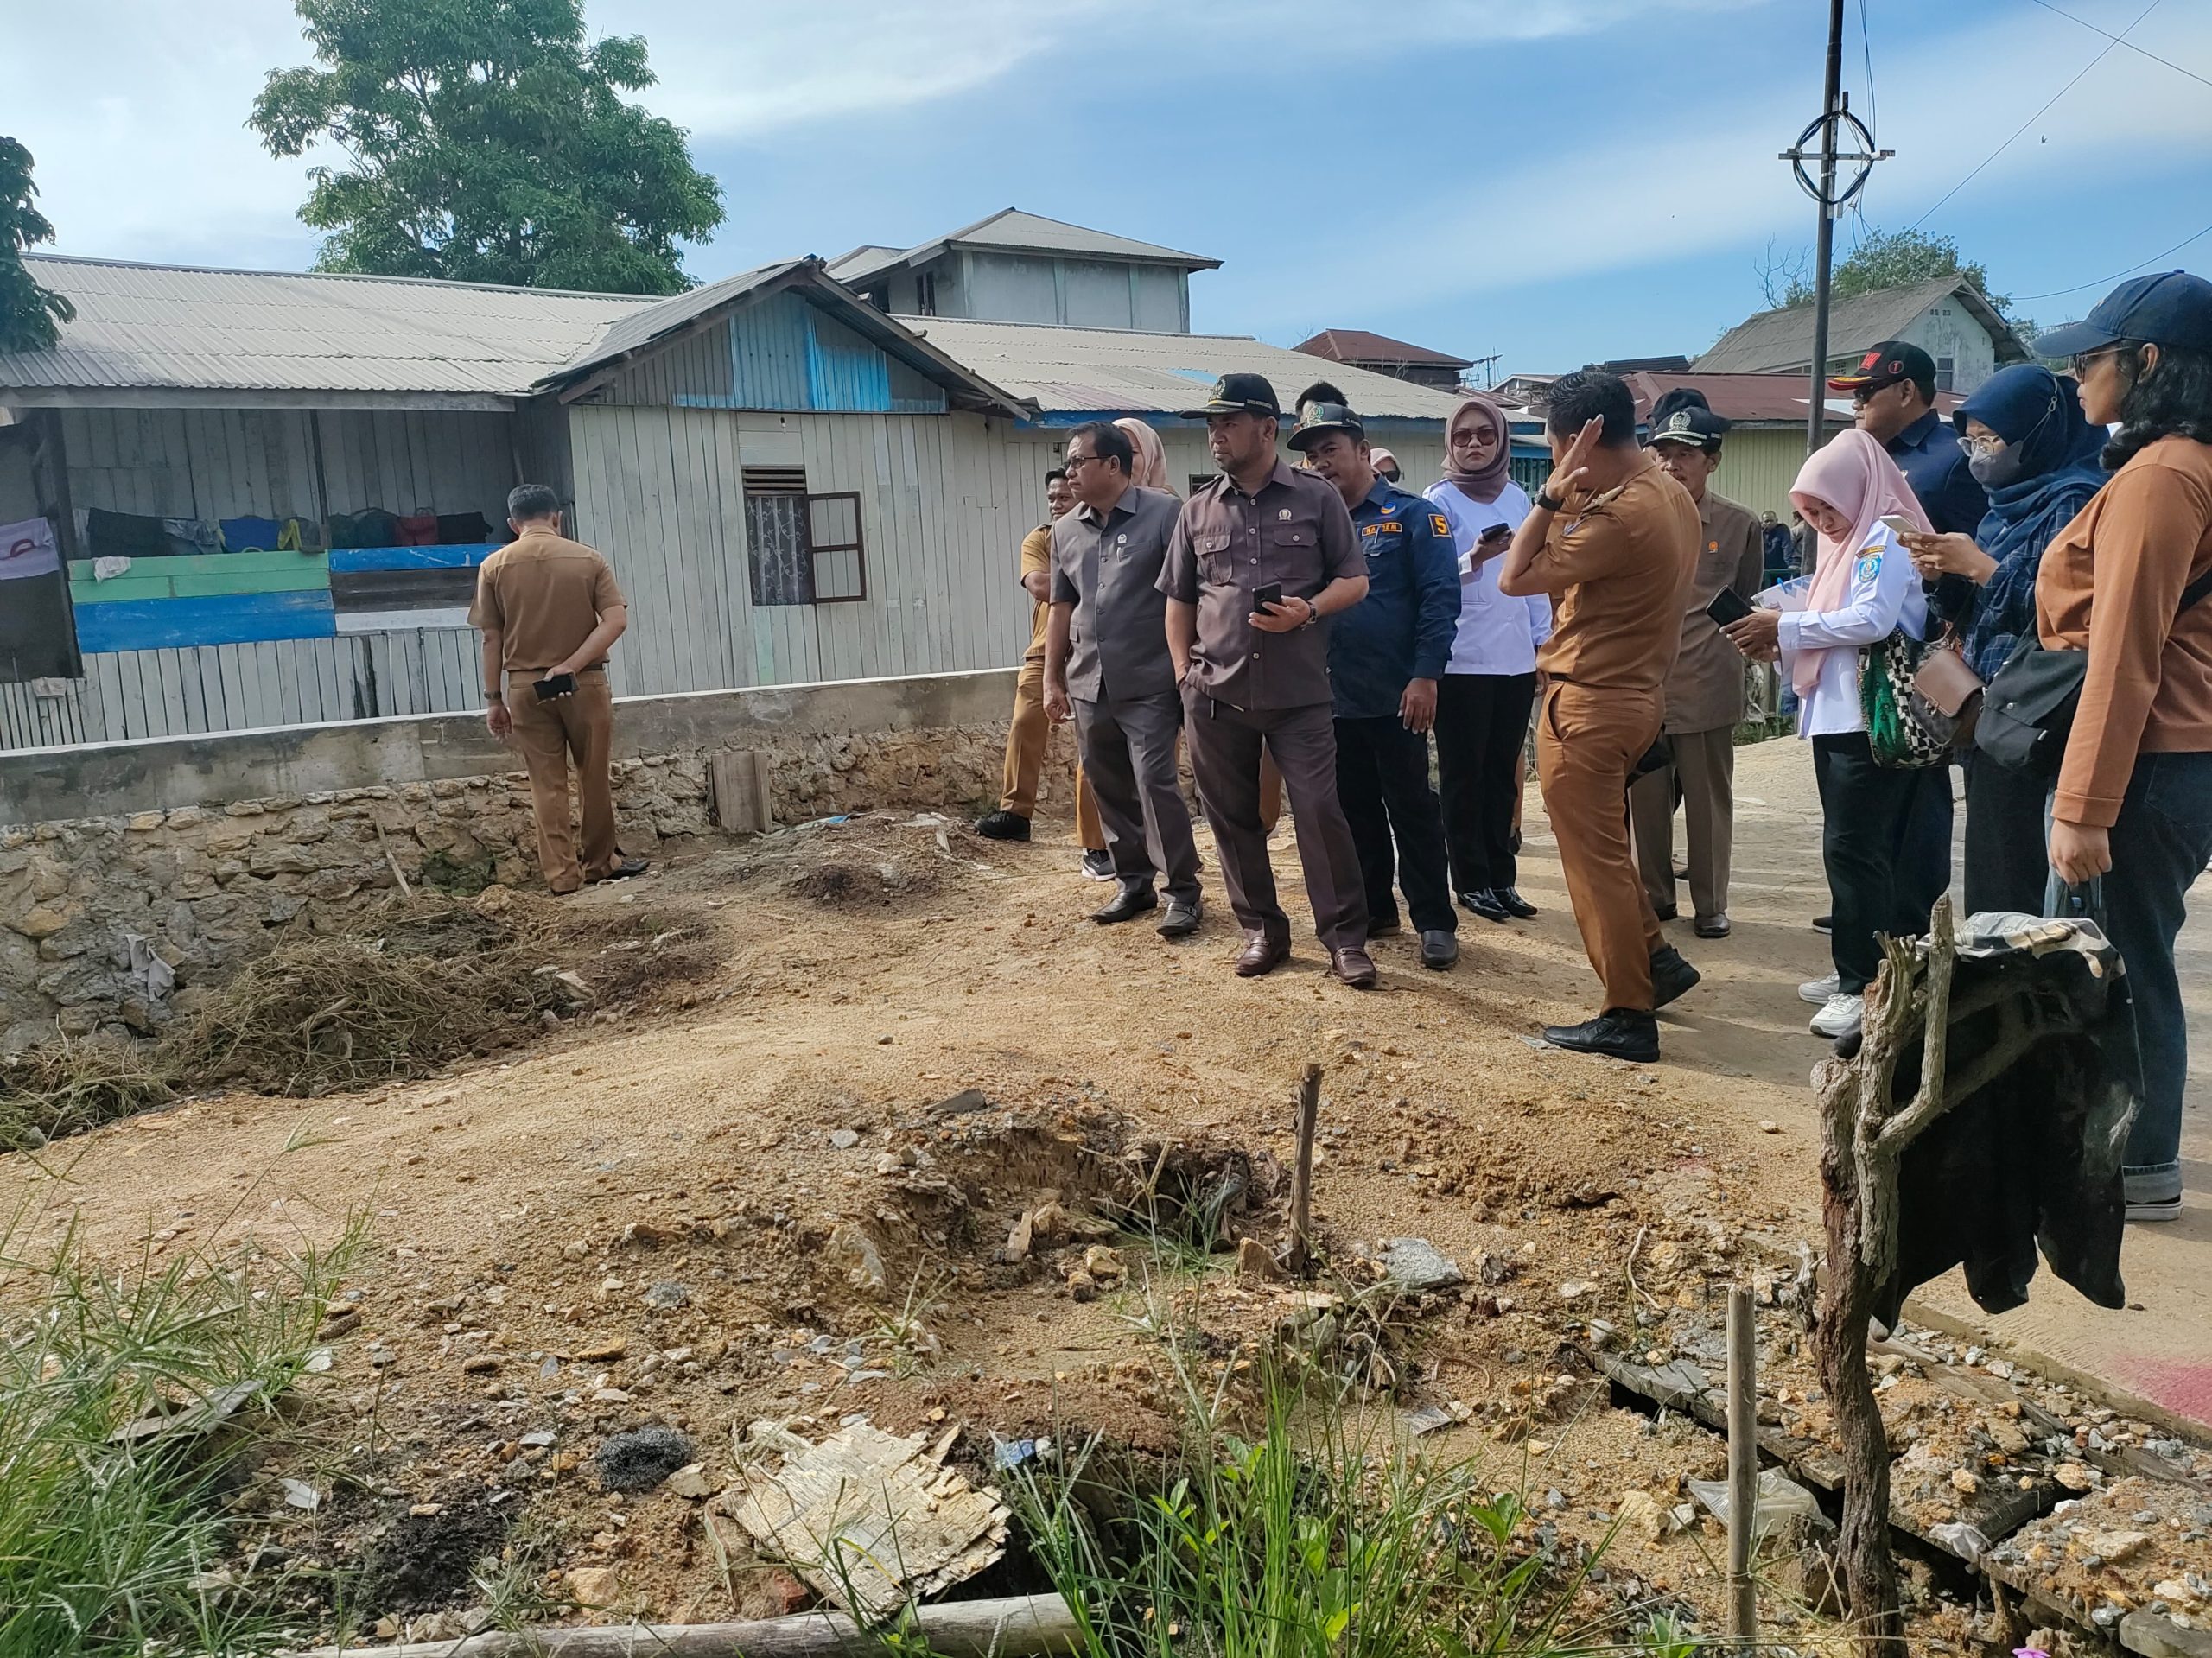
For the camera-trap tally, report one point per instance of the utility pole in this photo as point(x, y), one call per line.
point(1836, 116)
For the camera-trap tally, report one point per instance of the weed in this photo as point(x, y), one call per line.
point(129, 1404)
point(66, 1087)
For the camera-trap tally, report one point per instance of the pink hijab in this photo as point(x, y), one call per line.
point(1151, 470)
point(1489, 479)
point(1855, 475)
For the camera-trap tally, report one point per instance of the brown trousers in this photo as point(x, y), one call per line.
point(1587, 742)
point(1705, 769)
point(1026, 737)
point(551, 734)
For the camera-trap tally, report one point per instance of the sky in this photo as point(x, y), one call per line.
point(1549, 182)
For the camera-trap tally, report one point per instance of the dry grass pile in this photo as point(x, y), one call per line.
point(66, 1087)
point(333, 1014)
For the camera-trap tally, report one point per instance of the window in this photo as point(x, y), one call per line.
point(1200, 479)
point(802, 549)
point(1946, 368)
point(925, 292)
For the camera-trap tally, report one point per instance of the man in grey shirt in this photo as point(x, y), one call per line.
point(1106, 655)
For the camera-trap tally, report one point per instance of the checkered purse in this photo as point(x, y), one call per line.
point(1918, 705)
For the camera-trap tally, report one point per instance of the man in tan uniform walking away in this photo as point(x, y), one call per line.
point(1611, 539)
point(548, 610)
point(1028, 731)
point(1705, 692)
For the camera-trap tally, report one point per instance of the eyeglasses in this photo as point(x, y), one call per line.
point(1982, 444)
point(1076, 463)
point(2080, 361)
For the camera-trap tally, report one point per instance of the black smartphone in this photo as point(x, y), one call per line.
point(1269, 593)
point(1728, 606)
point(555, 685)
point(1495, 532)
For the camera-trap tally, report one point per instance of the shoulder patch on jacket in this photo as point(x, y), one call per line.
point(1439, 524)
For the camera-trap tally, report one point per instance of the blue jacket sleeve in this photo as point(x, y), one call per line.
point(1436, 590)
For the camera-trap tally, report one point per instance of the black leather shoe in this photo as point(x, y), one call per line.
point(1711, 926)
point(1671, 976)
point(1260, 954)
point(625, 869)
point(1354, 966)
point(1390, 929)
point(1514, 902)
point(1619, 1033)
point(1484, 902)
point(1438, 948)
point(1182, 918)
point(1126, 905)
point(1002, 826)
point(1666, 912)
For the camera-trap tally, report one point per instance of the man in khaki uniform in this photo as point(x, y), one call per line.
point(1705, 693)
point(1028, 733)
point(549, 611)
point(1611, 539)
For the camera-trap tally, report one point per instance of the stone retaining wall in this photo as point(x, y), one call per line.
point(97, 912)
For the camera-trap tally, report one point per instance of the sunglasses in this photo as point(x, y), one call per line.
point(2080, 361)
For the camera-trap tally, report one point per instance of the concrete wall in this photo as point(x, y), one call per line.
point(198, 852)
point(1947, 329)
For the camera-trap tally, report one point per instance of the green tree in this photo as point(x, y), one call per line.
point(1898, 259)
point(485, 141)
point(28, 312)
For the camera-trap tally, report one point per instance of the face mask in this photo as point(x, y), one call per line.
point(1995, 470)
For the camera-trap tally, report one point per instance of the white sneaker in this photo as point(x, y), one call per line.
point(1820, 990)
point(1841, 1018)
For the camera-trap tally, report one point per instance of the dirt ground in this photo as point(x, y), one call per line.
point(764, 1192)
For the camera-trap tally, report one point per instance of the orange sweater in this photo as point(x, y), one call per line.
point(2110, 584)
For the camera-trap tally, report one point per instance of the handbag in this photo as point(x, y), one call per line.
point(1905, 728)
point(2029, 711)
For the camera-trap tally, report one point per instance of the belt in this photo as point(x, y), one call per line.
point(528, 674)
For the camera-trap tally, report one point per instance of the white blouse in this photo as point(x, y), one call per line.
point(1885, 595)
point(1498, 634)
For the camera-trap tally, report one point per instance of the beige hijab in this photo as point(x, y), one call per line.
point(1151, 469)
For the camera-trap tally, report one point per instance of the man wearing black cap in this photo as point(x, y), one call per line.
point(1705, 689)
point(1386, 654)
point(1254, 673)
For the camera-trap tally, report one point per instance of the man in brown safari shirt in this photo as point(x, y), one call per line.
point(549, 611)
point(1613, 540)
point(1256, 677)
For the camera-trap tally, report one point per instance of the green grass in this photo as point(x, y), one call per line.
point(1315, 1535)
point(110, 1546)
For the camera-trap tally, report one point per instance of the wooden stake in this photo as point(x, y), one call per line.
point(1298, 1256)
point(1743, 1467)
point(1025, 1626)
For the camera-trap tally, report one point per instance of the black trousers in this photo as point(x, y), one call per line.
point(1482, 726)
point(2008, 864)
point(1925, 865)
point(1866, 813)
point(1383, 784)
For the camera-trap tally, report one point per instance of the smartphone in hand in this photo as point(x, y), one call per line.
point(1267, 592)
point(555, 685)
point(1728, 608)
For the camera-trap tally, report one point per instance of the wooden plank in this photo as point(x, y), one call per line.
point(138, 624)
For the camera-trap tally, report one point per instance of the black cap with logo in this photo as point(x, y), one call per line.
point(1239, 394)
point(1694, 424)
point(1886, 363)
point(1321, 418)
point(2170, 308)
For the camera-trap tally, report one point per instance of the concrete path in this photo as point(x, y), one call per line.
point(2156, 1355)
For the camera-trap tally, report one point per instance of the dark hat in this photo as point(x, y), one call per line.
point(1321, 417)
point(1885, 364)
point(1691, 424)
point(1238, 394)
point(2170, 308)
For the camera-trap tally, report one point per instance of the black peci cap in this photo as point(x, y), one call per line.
point(1239, 394)
point(2170, 308)
point(1886, 363)
point(1321, 417)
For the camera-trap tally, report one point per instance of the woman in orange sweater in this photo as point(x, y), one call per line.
point(2133, 801)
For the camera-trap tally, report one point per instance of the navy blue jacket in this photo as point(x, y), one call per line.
point(1402, 629)
point(1933, 462)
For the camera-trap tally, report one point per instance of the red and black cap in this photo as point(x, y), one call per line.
point(1239, 394)
point(1886, 363)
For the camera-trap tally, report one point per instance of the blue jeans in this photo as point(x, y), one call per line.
point(2160, 845)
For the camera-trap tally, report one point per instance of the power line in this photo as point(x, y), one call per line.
point(2102, 282)
point(2112, 42)
point(1866, 46)
point(2141, 51)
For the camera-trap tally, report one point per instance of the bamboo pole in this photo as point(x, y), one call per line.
point(1299, 1255)
point(1743, 1468)
point(1023, 1626)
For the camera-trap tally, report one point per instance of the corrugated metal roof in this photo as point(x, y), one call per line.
point(1783, 338)
point(1120, 371)
point(643, 324)
point(1359, 346)
point(864, 262)
point(186, 328)
point(1013, 228)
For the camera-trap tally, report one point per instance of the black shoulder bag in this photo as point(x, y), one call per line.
point(2028, 712)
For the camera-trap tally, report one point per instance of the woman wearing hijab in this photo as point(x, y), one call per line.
point(1864, 589)
point(1489, 687)
point(2030, 448)
point(1151, 469)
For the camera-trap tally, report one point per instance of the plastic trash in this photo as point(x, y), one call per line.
point(1781, 1500)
